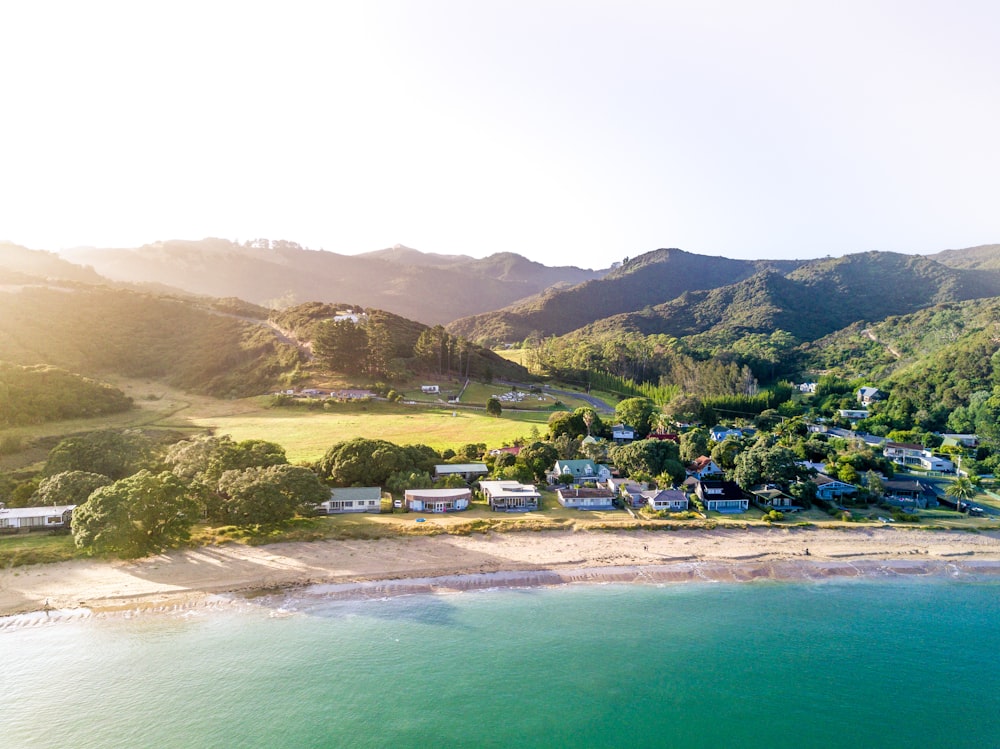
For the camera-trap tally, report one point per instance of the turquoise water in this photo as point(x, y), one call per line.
point(858, 664)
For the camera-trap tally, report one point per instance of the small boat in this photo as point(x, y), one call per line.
point(421, 520)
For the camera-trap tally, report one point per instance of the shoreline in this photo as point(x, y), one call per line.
point(332, 570)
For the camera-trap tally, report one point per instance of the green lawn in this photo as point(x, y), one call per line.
point(306, 435)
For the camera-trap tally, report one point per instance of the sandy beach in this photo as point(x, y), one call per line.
point(436, 563)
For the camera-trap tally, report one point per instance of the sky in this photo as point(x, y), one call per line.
point(571, 132)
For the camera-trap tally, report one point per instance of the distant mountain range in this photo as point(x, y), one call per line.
point(680, 294)
point(431, 288)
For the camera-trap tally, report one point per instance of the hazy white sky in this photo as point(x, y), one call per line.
point(572, 132)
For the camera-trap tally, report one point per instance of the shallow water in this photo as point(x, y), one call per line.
point(834, 664)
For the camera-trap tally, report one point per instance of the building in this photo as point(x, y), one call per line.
point(853, 414)
point(35, 518)
point(721, 496)
point(622, 433)
point(868, 395)
point(666, 500)
point(430, 389)
point(830, 489)
point(510, 496)
point(909, 494)
point(468, 471)
point(703, 467)
point(770, 497)
point(580, 470)
point(916, 455)
point(438, 500)
point(352, 499)
point(579, 498)
point(629, 490)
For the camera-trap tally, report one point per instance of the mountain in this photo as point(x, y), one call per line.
point(429, 288)
point(649, 279)
point(20, 265)
point(984, 258)
point(680, 294)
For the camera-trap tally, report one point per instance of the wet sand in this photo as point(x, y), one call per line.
point(398, 566)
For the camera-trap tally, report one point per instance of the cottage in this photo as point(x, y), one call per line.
point(510, 496)
point(35, 518)
point(580, 470)
point(830, 489)
point(666, 500)
point(622, 433)
point(721, 496)
point(868, 395)
point(438, 500)
point(770, 497)
point(704, 467)
point(629, 490)
point(352, 499)
point(468, 471)
point(586, 499)
point(909, 493)
point(853, 414)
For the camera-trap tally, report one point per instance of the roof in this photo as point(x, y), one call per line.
point(34, 512)
point(356, 493)
point(821, 479)
point(664, 495)
point(461, 468)
point(577, 466)
point(701, 462)
point(623, 427)
point(437, 493)
point(498, 489)
point(730, 490)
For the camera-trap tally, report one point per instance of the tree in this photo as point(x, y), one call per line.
point(341, 346)
point(134, 516)
point(265, 495)
point(651, 457)
point(109, 453)
point(683, 409)
point(724, 454)
point(567, 447)
point(875, 485)
point(962, 489)
point(637, 413)
point(68, 488)
point(493, 407)
point(367, 462)
point(764, 463)
point(399, 482)
point(538, 457)
point(694, 444)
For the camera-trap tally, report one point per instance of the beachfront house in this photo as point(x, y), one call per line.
point(770, 497)
point(721, 496)
point(666, 500)
point(510, 496)
point(629, 490)
point(909, 493)
point(352, 499)
point(35, 518)
point(580, 498)
point(438, 500)
point(830, 489)
point(468, 471)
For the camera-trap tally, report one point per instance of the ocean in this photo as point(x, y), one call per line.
point(859, 664)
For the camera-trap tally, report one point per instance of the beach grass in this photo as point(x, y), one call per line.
point(36, 548)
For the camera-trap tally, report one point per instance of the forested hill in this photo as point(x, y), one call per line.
point(808, 299)
point(652, 278)
point(281, 274)
point(99, 331)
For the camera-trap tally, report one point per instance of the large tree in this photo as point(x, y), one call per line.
point(68, 488)
point(765, 463)
point(370, 462)
point(650, 457)
point(694, 444)
point(134, 516)
point(638, 413)
point(109, 453)
point(264, 495)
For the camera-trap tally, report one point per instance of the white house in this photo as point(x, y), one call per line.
point(666, 500)
point(352, 499)
point(438, 500)
point(853, 414)
point(510, 496)
point(703, 467)
point(916, 455)
point(629, 490)
point(430, 389)
point(586, 499)
point(868, 395)
point(36, 518)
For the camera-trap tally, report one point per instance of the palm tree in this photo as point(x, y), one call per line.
point(961, 488)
